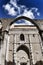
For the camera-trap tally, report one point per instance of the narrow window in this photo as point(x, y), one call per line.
point(33, 35)
point(22, 37)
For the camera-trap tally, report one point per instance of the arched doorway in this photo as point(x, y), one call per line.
point(23, 55)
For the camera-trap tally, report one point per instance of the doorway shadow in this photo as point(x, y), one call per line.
point(9, 63)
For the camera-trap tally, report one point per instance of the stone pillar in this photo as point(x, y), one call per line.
point(0, 50)
point(10, 50)
point(15, 55)
point(42, 46)
point(4, 48)
point(7, 51)
point(31, 54)
point(18, 62)
point(36, 48)
point(1, 40)
point(28, 62)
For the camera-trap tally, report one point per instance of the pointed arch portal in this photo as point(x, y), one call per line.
point(24, 48)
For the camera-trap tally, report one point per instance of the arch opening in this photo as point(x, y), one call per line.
point(28, 19)
point(24, 48)
point(25, 18)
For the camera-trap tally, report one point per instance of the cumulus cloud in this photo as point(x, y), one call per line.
point(28, 14)
point(16, 10)
point(7, 7)
point(14, 3)
point(38, 13)
point(11, 10)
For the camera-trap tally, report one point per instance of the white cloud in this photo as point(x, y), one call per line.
point(26, 23)
point(7, 7)
point(10, 9)
point(26, 12)
point(38, 13)
point(12, 12)
point(14, 3)
point(35, 9)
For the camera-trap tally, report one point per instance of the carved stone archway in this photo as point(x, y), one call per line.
point(24, 57)
point(28, 19)
point(25, 48)
point(7, 22)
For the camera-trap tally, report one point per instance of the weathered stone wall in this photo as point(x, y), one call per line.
point(6, 22)
point(32, 39)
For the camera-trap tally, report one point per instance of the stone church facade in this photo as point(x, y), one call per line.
point(21, 45)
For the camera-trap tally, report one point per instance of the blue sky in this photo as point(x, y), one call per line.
point(35, 7)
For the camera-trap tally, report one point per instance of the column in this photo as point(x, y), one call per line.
point(18, 62)
point(10, 50)
point(0, 50)
point(3, 50)
point(7, 51)
point(28, 62)
point(36, 48)
point(15, 56)
point(1, 39)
